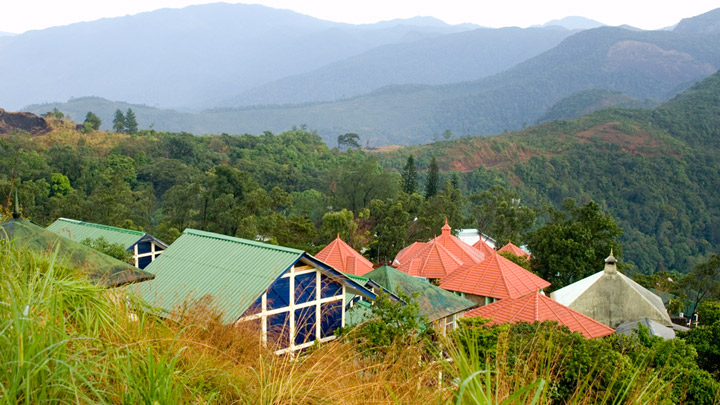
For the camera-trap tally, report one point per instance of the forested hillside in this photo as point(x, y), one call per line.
point(655, 171)
point(642, 64)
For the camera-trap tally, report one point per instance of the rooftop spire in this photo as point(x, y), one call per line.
point(610, 263)
point(446, 228)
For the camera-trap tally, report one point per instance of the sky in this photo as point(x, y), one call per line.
point(17, 16)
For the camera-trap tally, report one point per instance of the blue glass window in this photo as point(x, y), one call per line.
point(305, 287)
point(278, 329)
point(329, 287)
point(144, 261)
point(331, 313)
point(278, 294)
point(143, 247)
point(305, 325)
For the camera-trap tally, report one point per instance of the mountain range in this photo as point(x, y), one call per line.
point(256, 69)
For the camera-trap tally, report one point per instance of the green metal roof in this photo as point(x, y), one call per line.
point(434, 302)
point(79, 231)
point(99, 267)
point(231, 271)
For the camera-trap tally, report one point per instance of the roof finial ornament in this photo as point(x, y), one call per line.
point(446, 228)
point(16, 212)
point(611, 263)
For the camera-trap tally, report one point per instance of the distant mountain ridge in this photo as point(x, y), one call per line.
point(180, 57)
point(574, 23)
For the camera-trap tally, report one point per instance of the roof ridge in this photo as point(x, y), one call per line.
point(249, 242)
point(102, 226)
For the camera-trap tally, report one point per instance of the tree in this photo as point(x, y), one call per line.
point(349, 140)
point(498, 213)
point(92, 122)
point(433, 180)
point(359, 181)
point(409, 176)
point(703, 282)
point(119, 121)
point(131, 125)
point(573, 244)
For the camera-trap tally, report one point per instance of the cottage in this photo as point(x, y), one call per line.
point(536, 307)
point(493, 279)
point(293, 298)
point(612, 298)
point(517, 251)
point(441, 307)
point(344, 258)
point(100, 268)
point(437, 258)
point(144, 247)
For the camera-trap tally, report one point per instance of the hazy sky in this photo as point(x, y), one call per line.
point(22, 15)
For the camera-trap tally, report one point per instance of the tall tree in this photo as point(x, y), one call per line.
point(573, 244)
point(349, 140)
point(119, 121)
point(703, 282)
point(131, 125)
point(92, 122)
point(433, 179)
point(409, 176)
point(498, 213)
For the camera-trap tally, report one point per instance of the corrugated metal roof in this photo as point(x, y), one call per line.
point(434, 302)
point(79, 231)
point(100, 268)
point(233, 272)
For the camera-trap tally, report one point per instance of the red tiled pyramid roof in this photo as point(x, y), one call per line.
point(495, 277)
point(483, 247)
point(432, 261)
point(457, 247)
point(408, 252)
point(537, 307)
point(344, 258)
point(510, 247)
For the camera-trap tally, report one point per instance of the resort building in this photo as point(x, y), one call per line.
point(144, 247)
point(293, 298)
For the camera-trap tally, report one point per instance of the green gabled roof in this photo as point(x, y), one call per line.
point(232, 271)
point(79, 231)
point(99, 267)
point(434, 302)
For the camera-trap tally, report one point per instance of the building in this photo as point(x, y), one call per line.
point(442, 308)
point(612, 298)
point(517, 251)
point(344, 258)
point(293, 298)
point(99, 267)
point(437, 258)
point(495, 278)
point(536, 307)
point(144, 247)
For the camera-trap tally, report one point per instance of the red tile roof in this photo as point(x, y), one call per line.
point(483, 247)
point(514, 250)
point(344, 258)
point(495, 277)
point(408, 252)
point(457, 247)
point(432, 261)
point(537, 307)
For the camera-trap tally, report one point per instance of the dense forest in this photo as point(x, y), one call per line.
point(654, 171)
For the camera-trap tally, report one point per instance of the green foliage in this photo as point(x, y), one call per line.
point(92, 122)
point(131, 125)
point(706, 341)
point(392, 323)
point(573, 244)
point(433, 179)
point(409, 176)
point(498, 212)
point(703, 282)
point(709, 312)
point(521, 261)
point(115, 250)
point(349, 140)
point(119, 121)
